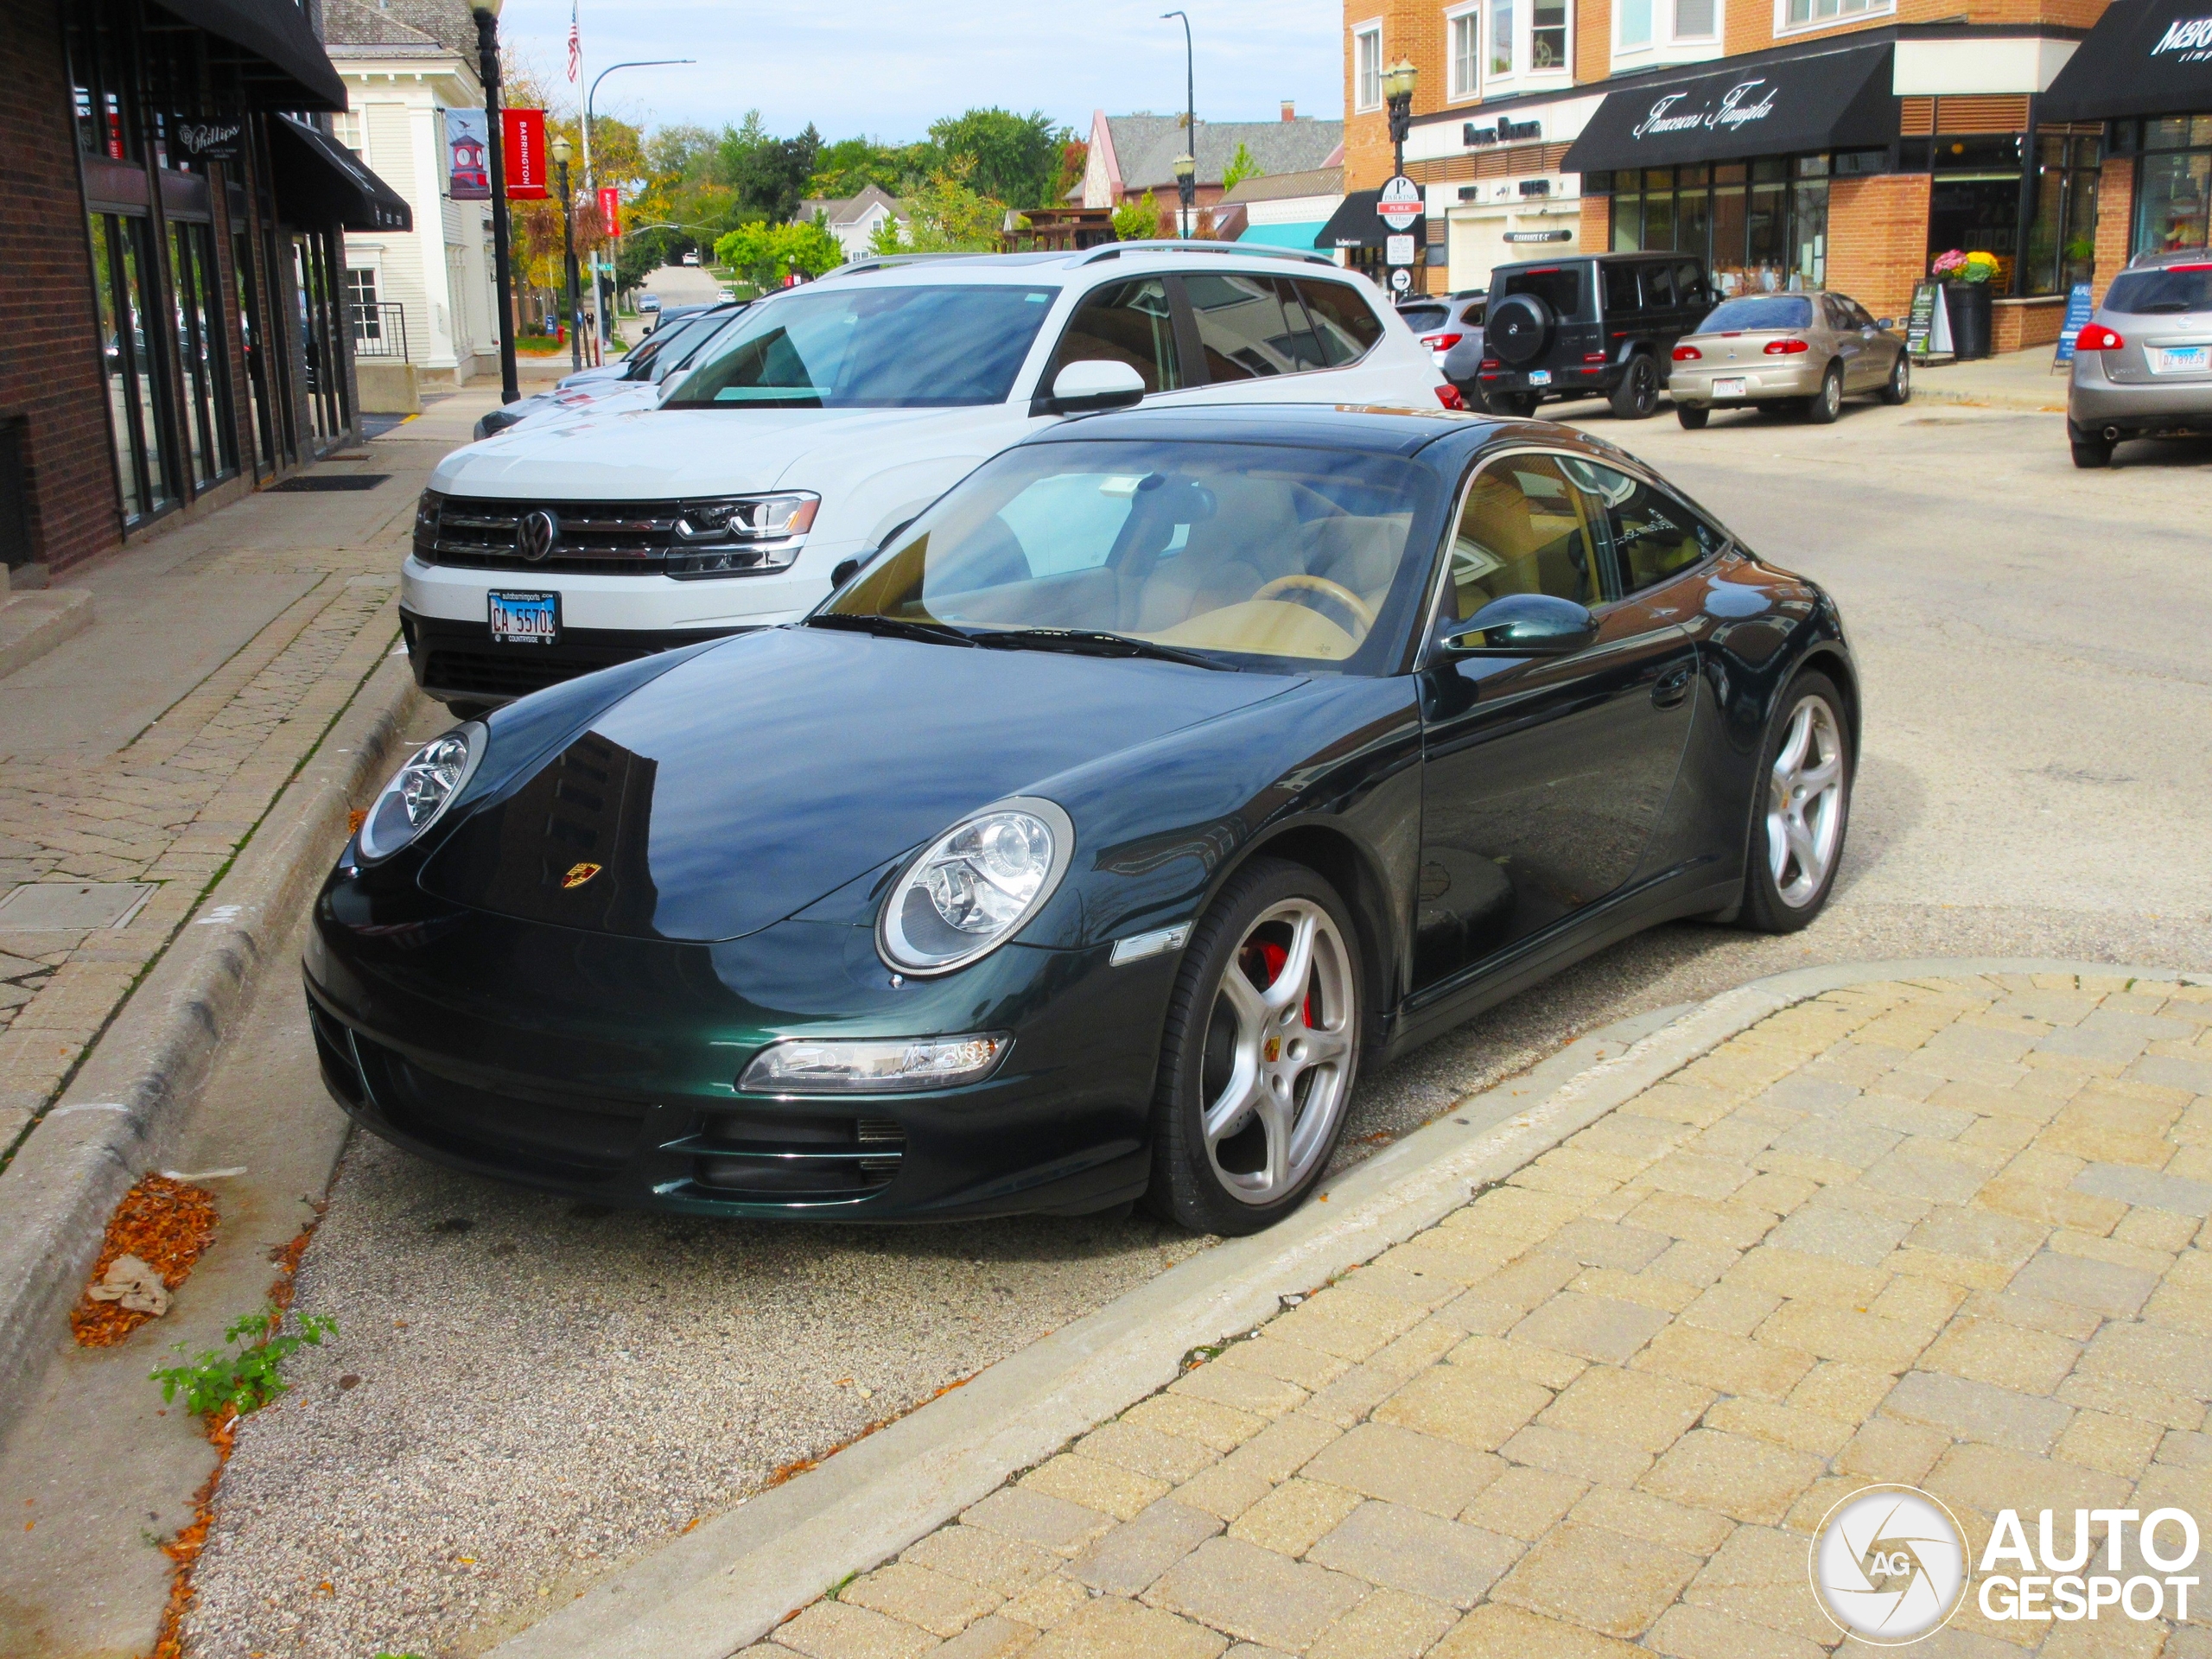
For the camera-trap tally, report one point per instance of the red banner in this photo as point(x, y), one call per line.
point(610, 209)
point(524, 133)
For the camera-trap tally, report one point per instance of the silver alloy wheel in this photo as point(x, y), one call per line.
point(1901, 377)
point(1278, 1052)
point(1805, 803)
point(1832, 393)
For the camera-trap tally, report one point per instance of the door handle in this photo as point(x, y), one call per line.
point(1668, 690)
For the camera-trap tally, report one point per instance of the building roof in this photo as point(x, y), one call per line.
point(1282, 186)
point(399, 29)
point(1146, 146)
point(845, 210)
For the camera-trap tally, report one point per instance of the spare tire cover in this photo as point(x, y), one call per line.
point(1519, 328)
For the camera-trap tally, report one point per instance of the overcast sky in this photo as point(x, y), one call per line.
point(888, 70)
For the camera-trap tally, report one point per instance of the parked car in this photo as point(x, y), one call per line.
point(1807, 352)
point(667, 349)
point(2143, 365)
point(692, 257)
point(1169, 771)
point(831, 414)
point(1589, 326)
point(1443, 323)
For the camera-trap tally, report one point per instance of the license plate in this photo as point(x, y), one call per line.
point(1729, 388)
point(2180, 359)
point(1540, 377)
point(525, 619)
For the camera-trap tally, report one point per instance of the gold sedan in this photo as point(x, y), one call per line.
point(1806, 351)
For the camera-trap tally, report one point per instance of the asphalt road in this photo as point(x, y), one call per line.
point(542, 1389)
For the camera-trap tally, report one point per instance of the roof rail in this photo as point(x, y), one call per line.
point(889, 261)
point(1115, 250)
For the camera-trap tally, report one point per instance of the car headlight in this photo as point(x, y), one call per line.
point(873, 1066)
point(739, 536)
point(420, 790)
point(975, 885)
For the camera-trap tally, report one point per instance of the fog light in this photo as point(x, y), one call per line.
point(873, 1066)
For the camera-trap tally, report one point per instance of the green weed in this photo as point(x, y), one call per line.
point(248, 1376)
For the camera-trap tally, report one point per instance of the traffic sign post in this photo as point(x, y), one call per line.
point(1400, 206)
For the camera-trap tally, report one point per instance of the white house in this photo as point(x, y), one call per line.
point(405, 63)
point(853, 221)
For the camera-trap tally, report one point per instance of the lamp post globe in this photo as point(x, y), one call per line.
point(487, 15)
point(1186, 191)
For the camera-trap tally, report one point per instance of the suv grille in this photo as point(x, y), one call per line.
point(597, 538)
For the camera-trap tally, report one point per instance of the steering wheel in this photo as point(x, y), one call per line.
point(1302, 584)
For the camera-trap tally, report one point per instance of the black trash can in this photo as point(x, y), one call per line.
point(1969, 304)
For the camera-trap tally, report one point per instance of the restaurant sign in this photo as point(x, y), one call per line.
point(195, 139)
point(1745, 102)
point(2189, 39)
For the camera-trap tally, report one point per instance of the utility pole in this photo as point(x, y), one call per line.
point(591, 189)
point(487, 67)
point(561, 155)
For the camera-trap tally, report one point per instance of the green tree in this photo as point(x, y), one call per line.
point(850, 165)
point(1138, 220)
point(1241, 167)
point(1075, 157)
point(767, 175)
point(1017, 158)
point(764, 254)
point(945, 214)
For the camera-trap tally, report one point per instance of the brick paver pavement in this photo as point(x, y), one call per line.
point(1950, 1233)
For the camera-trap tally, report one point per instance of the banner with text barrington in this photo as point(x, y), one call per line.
point(523, 133)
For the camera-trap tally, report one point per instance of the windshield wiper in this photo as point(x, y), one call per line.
point(1094, 642)
point(935, 633)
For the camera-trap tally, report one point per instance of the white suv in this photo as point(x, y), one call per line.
point(831, 413)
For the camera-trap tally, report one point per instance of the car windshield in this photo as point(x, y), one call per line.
point(1758, 311)
point(672, 339)
point(1258, 556)
point(2175, 288)
point(1422, 318)
point(1558, 286)
point(855, 345)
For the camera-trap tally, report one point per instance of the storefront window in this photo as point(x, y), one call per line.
point(1973, 202)
point(2174, 184)
point(1757, 237)
point(257, 354)
point(199, 347)
point(1809, 238)
point(315, 285)
point(122, 268)
point(106, 112)
point(2062, 238)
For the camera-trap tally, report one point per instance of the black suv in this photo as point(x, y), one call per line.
point(1590, 325)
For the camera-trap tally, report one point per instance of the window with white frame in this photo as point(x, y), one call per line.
point(351, 131)
point(1501, 39)
point(1697, 20)
point(1466, 52)
point(1798, 14)
point(1367, 66)
point(1634, 22)
point(1548, 35)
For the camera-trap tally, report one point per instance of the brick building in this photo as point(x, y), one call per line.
point(169, 293)
point(1132, 154)
point(1834, 142)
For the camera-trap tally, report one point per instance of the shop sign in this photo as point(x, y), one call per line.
point(1506, 131)
point(524, 134)
point(2189, 39)
point(2080, 308)
point(198, 138)
point(1928, 325)
point(1540, 235)
point(469, 151)
point(1741, 105)
point(610, 209)
point(1399, 204)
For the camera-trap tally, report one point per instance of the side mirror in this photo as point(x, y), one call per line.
point(845, 571)
point(1082, 388)
point(1524, 625)
point(1885, 323)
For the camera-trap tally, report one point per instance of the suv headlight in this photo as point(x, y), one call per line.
point(420, 791)
point(975, 885)
point(426, 526)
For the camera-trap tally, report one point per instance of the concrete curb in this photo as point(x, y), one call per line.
point(120, 1113)
point(2055, 403)
point(735, 1578)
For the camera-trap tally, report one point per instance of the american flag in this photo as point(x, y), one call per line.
point(575, 47)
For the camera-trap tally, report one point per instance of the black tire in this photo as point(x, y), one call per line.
point(1636, 398)
point(1692, 418)
point(1767, 908)
point(2092, 453)
point(1519, 328)
point(1824, 405)
point(1185, 1188)
point(1897, 389)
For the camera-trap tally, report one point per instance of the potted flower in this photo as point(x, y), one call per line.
point(1966, 278)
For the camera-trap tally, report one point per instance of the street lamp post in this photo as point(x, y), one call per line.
point(562, 151)
point(1398, 93)
point(591, 194)
point(487, 67)
point(1186, 165)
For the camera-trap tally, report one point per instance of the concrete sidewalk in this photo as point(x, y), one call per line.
point(1948, 1232)
point(2017, 380)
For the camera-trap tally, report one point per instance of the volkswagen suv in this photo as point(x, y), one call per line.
point(829, 415)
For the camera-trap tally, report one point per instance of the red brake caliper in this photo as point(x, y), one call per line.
point(1272, 957)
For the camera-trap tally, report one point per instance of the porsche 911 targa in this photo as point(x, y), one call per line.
point(1087, 843)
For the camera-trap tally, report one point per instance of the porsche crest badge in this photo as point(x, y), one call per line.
point(578, 874)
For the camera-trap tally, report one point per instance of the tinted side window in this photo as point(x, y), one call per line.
point(1690, 285)
point(1652, 535)
point(1344, 323)
point(1246, 330)
point(1123, 322)
point(1659, 286)
point(1620, 290)
point(1839, 314)
point(1524, 529)
point(1860, 317)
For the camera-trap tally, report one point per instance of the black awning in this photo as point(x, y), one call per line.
point(319, 181)
point(283, 64)
point(1834, 97)
point(1355, 224)
point(2144, 57)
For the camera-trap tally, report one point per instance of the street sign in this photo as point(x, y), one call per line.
point(1401, 279)
point(1399, 204)
point(1397, 251)
point(2079, 309)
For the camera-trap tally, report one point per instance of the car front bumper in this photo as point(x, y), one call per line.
point(604, 1066)
point(1691, 383)
point(2096, 403)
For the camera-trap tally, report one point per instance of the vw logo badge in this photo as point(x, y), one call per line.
point(535, 534)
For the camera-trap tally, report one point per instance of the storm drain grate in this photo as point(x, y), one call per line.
point(314, 484)
point(70, 907)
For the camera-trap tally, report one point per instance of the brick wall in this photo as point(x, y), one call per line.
point(2115, 219)
point(1595, 233)
point(1749, 24)
point(1878, 240)
point(50, 378)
